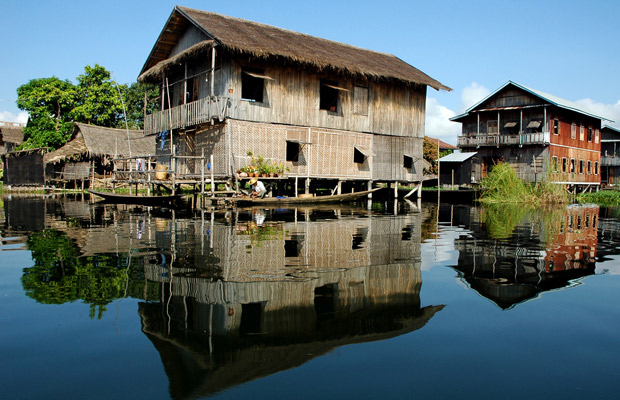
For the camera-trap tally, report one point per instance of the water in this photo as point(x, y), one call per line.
point(115, 301)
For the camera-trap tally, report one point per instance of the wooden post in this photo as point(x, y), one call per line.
point(129, 179)
point(307, 185)
point(212, 177)
point(339, 187)
point(212, 83)
point(453, 179)
point(92, 180)
point(148, 177)
point(202, 175)
point(396, 190)
point(173, 161)
point(296, 185)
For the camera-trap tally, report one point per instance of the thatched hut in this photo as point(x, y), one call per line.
point(11, 136)
point(91, 150)
point(322, 109)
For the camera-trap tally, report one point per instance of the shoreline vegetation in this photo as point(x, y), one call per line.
point(502, 185)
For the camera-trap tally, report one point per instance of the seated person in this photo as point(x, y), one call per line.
point(258, 188)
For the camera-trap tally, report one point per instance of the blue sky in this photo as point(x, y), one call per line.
point(566, 48)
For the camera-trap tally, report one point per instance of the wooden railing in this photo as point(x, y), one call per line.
point(190, 114)
point(610, 161)
point(497, 140)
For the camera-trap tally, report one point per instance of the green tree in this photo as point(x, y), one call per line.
point(134, 103)
point(49, 102)
point(98, 101)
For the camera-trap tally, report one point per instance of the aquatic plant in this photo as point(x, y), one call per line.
point(502, 185)
point(603, 197)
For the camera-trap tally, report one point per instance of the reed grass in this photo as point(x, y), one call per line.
point(502, 185)
point(603, 198)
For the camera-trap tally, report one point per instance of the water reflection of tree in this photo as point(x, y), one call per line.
point(502, 219)
point(60, 275)
point(517, 253)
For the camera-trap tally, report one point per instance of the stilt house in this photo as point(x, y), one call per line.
point(322, 109)
point(539, 134)
point(610, 155)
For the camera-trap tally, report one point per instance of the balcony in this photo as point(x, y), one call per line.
point(190, 114)
point(610, 161)
point(541, 138)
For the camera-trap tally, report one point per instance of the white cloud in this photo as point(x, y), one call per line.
point(611, 111)
point(472, 94)
point(7, 116)
point(438, 124)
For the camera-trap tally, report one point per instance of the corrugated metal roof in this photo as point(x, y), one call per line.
point(457, 157)
point(554, 100)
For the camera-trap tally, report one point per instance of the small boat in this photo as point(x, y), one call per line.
point(334, 198)
point(130, 199)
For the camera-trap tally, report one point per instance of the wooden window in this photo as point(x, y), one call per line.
point(564, 164)
point(595, 167)
point(360, 100)
point(572, 165)
point(582, 132)
point(596, 136)
point(358, 156)
point(590, 134)
point(407, 161)
point(293, 148)
point(554, 164)
point(573, 131)
point(329, 94)
point(581, 166)
point(253, 84)
point(492, 127)
point(556, 127)
point(589, 167)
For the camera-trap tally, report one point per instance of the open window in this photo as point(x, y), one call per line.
point(534, 126)
point(293, 149)
point(556, 127)
point(511, 127)
point(329, 95)
point(253, 84)
point(564, 164)
point(407, 161)
point(361, 153)
point(554, 164)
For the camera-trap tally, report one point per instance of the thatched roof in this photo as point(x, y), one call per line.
point(265, 41)
point(99, 141)
point(11, 134)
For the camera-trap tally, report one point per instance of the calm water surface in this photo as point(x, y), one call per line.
point(114, 301)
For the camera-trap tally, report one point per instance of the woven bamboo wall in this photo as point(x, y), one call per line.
point(389, 158)
point(329, 153)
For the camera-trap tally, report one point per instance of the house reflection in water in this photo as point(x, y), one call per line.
point(236, 296)
point(291, 285)
point(539, 256)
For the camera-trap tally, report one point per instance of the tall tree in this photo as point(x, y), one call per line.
point(134, 102)
point(98, 102)
point(49, 102)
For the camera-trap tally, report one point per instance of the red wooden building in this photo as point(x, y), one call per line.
point(542, 136)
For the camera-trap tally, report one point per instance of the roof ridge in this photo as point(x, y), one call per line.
point(261, 24)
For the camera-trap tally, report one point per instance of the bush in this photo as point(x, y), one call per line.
point(502, 185)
